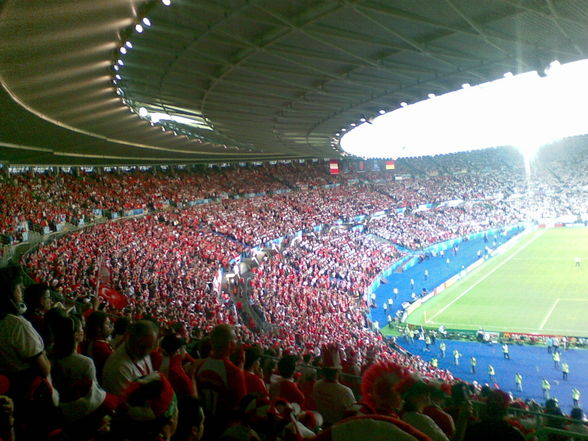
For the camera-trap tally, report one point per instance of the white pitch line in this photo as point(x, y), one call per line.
point(549, 313)
point(485, 277)
point(519, 329)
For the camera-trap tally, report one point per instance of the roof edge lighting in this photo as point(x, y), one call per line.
point(525, 110)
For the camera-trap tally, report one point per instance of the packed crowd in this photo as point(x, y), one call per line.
point(419, 229)
point(187, 361)
point(312, 292)
point(554, 187)
point(72, 372)
point(162, 268)
point(258, 220)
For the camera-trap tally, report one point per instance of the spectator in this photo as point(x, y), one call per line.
point(492, 425)
point(417, 397)
point(190, 420)
point(331, 397)
point(83, 403)
point(150, 410)
point(221, 384)
point(252, 372)
point(37, 298)
point(131, 360)
point(97, 346)
point(284, 386)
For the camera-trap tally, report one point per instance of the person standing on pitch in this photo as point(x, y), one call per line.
point(442, 348)
point(505, 351)
point(456, 357)
point(565, 370)
point(519, 382)
point(491, 373)
point(473, 364)
point(546, 388)
point(556, 358)
point(427, 343)
point(576, 397)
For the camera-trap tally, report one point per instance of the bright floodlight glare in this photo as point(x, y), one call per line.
point(431, 95)
point(120, 62)
point(524, 110)
point(129, 44)
point(403, 104)
point(138, 28)
point(382, 111)
point(143, 112)
point(116, 67)
point(123, 50)
point(166, 2)
point(146, 22)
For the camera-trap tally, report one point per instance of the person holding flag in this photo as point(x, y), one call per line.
point(104, 289)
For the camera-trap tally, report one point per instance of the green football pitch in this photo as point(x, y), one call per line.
point(534, 287)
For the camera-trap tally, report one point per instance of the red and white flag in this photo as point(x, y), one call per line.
point(104, 288)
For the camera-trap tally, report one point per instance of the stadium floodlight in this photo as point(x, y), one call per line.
point(118, 77)
point(403, 104)
point(382, 111)
point(129, 44)
point(120, 62)
point(146, 22)
point(138, 28)
point(115, 67)
point(123, 50)
point(525, 110)
point(143, 112)
point(508, 75)
point(431, 95)
point(466, 86)
point(166, 2)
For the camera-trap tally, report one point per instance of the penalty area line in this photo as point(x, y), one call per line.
point(442, 310)
point(549, 313)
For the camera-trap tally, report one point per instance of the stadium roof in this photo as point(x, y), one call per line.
point(258, 79)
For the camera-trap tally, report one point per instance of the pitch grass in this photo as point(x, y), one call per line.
point(535, 287)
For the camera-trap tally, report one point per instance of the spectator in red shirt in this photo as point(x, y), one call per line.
point(98, 348)
point(253, 375)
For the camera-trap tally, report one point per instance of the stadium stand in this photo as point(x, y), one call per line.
point(300, 257)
